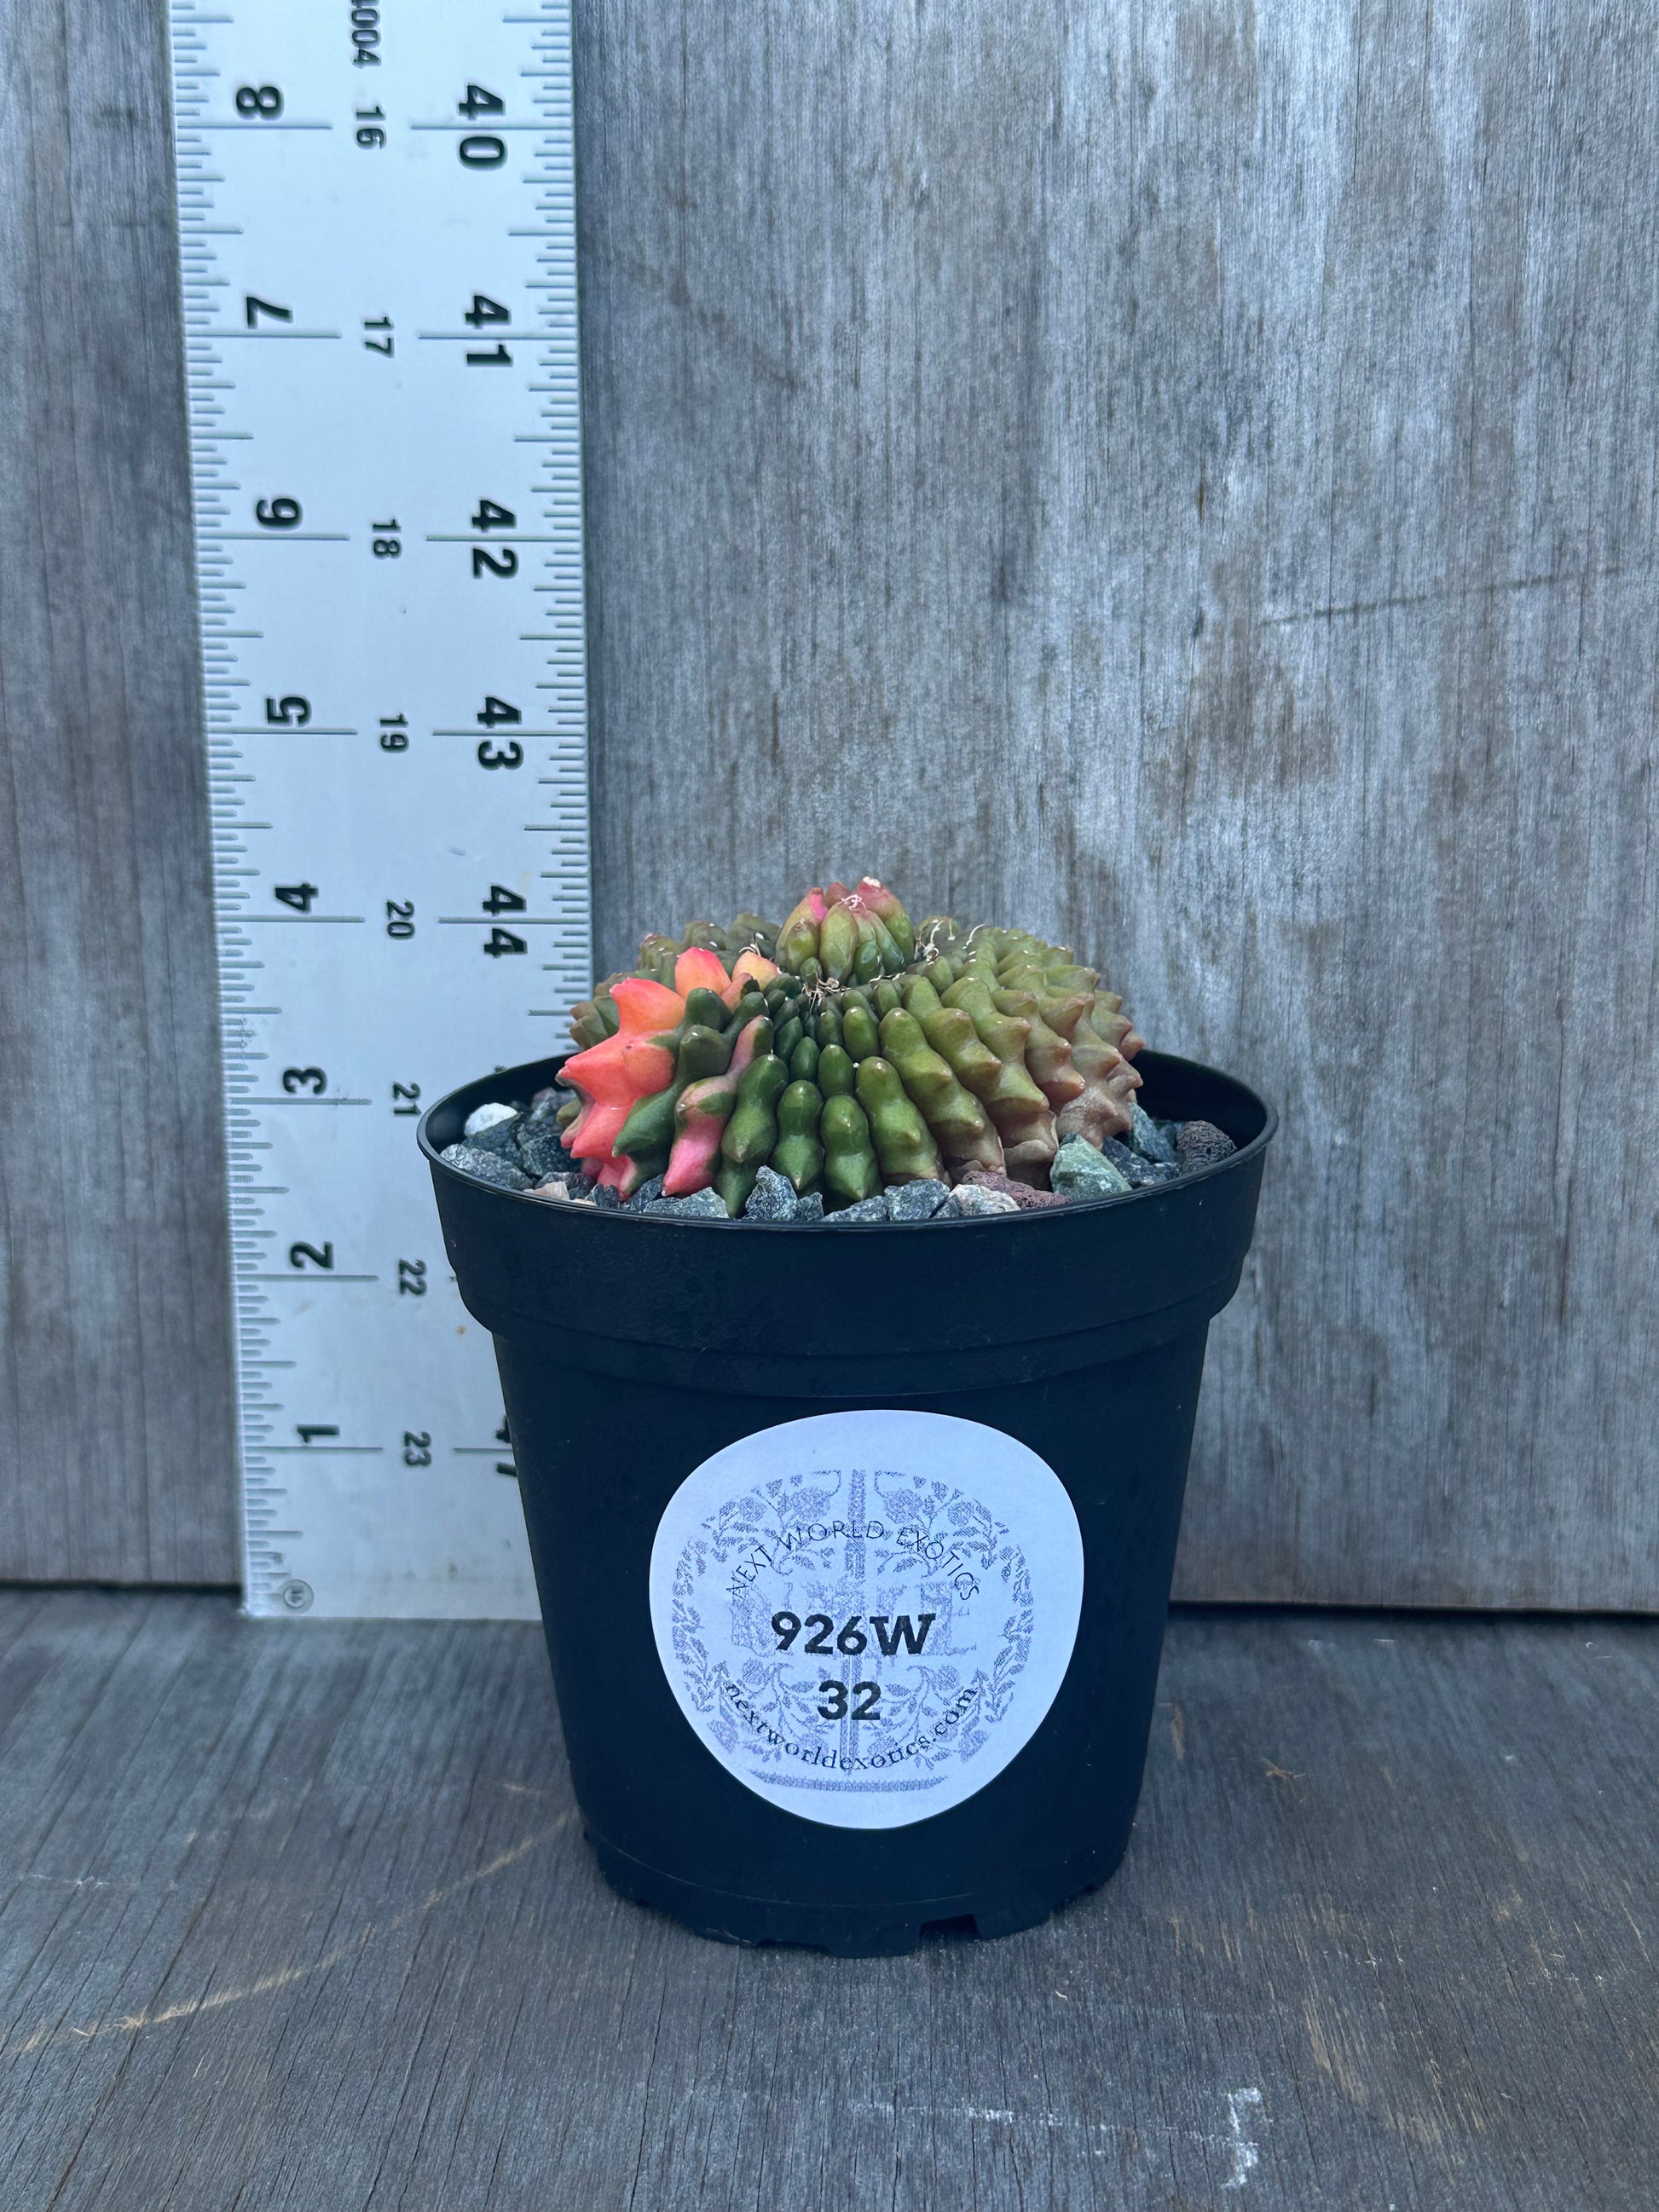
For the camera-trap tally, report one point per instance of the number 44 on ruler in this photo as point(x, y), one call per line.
point(377, 237)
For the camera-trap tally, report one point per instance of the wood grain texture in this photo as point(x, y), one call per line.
point(303, 1916)
point(1180, 477)
point(115, 1431)
point(1183, 477)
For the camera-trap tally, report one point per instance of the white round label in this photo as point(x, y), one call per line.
point(864, 1616)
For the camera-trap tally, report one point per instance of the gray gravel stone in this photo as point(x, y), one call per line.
point(1148, 1139)
point(1201, 1145)
point(1139, 1172)
point(971, 1201)
point(773, 1198)
point(1151, 1173)
point(810, 1208)
point(644, 1195)
point(1080, 1171)
point(486, 1117)
point(499, 1137)
point(867, 1209)
point(540, 1153)
point(605, 1199)
point(916, 1201)
point(485, 1167)
point(700, 1206)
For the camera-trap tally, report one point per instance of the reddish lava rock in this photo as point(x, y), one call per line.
point(1021, 1193)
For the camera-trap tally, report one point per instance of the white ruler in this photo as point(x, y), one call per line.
point(377, 233)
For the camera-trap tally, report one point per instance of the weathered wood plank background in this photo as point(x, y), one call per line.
point(1181, 477)
point(115, 1387)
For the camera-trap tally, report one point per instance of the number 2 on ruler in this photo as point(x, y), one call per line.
point(388, 512)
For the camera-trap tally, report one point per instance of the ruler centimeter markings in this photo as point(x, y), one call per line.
point(377, 247)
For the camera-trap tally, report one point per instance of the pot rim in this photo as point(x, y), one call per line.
point(1153, 1193)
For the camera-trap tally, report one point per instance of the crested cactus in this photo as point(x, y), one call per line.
point(846, 1049)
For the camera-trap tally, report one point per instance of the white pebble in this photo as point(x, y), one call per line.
point(970, 1201)
point(554, 1188)
point(486, 1117)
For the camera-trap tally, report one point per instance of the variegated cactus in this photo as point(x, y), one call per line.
point(846, 1050)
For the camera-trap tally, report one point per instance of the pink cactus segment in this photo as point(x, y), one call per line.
point(700, 970)
point(629, 1066)
point(701, 1118)
point(601, 1126)
point(871, 893)
point(812, 908)
point(697, 1144)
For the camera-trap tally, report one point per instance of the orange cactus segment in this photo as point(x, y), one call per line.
point(645, 1005)
point(647, 1066)
point(749, 968)
point(699, 969)
point(597, 1072)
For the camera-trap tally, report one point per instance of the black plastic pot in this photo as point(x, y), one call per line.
point(766, 1740)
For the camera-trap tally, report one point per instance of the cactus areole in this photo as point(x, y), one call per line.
point(850, 1376)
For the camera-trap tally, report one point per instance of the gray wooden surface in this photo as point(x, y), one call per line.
point(300, 1917)
point(115, 1398)
point(1182, 476)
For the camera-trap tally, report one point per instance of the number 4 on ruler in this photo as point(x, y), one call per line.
point(352, 251)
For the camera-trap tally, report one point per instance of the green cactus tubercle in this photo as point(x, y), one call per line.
point(846, 1048)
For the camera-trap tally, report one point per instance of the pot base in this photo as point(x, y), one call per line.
point(846, 1931)
point(1028, 1384)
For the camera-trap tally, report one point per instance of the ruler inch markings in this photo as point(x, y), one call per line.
point(351, 209)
